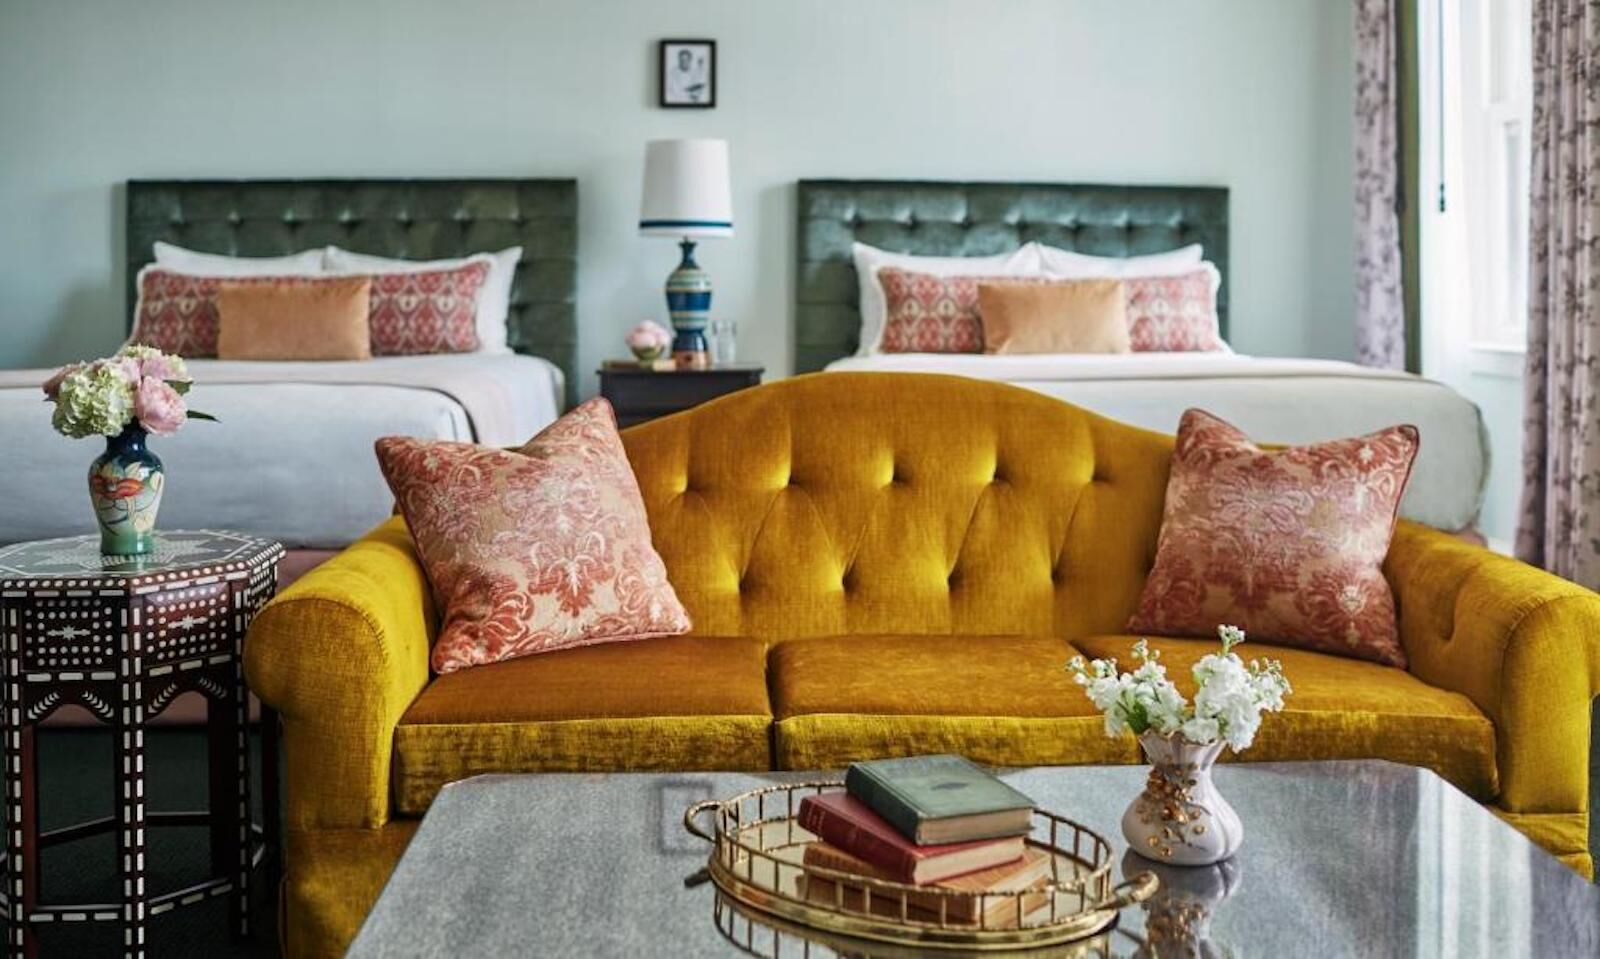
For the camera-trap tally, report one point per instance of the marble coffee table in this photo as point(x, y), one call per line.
point(1361, 859)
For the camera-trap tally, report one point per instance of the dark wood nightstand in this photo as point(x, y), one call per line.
point(639, 395)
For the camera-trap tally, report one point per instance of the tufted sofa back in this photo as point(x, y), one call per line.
point(843, 503)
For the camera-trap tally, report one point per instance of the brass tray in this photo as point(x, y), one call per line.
point(757, 860)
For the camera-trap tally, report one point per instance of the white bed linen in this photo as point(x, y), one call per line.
point(1274, 400)
point(292, 456)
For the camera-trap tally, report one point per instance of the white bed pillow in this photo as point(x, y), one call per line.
point(874, 308)
point(193, 262)
point(494, 300)
point(1082, 266)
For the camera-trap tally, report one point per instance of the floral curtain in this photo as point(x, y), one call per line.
point(1560, 523)
point(1380, 300)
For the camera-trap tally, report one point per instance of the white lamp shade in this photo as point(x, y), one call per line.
point(686, 190)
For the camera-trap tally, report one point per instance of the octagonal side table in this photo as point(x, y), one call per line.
point(123, 636)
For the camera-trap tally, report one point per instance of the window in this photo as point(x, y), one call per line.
point(1495, 112)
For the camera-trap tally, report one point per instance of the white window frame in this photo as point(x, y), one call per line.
point(1496, 114)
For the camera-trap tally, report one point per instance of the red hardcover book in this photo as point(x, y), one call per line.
point(847, 823)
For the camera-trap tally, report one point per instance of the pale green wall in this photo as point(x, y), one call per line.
point(1254, 94)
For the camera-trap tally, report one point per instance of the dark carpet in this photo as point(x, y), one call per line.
point(75, 784)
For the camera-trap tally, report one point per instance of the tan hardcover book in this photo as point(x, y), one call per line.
point(1032, 871)
point(663, 365)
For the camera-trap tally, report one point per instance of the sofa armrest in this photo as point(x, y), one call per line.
point(1522, 644)
point(340, 655)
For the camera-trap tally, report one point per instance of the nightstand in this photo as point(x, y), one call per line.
point(641, 395)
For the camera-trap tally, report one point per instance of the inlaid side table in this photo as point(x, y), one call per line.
point(123, 637)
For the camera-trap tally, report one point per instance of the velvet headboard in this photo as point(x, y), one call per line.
point(935, 218)
point(414, 219)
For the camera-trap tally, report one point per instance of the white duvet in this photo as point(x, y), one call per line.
point(291, 457)
point(1274, 400)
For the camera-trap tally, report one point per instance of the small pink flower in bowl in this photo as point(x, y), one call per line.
point(158, 407)
point(648, 341)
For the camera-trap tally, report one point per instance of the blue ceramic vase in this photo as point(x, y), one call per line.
point(689, 305)
point(125, 485)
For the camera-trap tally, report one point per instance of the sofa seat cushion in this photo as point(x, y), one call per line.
point(1001, 700)
point(1344, 708)
point(681, 702)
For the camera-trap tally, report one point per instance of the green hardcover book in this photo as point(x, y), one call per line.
point(940, 799)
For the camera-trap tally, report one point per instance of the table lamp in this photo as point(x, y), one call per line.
point(686, 195)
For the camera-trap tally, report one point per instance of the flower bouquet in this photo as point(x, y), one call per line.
point(124, 398)
point(1180, 817)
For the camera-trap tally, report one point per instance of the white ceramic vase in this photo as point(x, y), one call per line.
point(1180, 818)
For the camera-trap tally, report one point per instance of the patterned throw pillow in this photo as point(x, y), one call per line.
point(433, 311)
point(935, 314)
point(408, 313)
point(1288, 544)
point(537, 550)
point(1176, 314)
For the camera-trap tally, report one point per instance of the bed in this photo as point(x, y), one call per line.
point(1279, 400)
point(292, 456)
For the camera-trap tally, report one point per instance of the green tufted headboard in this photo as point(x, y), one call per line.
point(411, 218)
point(935, 218)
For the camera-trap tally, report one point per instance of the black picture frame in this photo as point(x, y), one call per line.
point(681, 96)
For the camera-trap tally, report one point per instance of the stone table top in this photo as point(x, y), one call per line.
point(1361, 859)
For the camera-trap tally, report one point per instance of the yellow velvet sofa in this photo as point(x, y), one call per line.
point(883, 564)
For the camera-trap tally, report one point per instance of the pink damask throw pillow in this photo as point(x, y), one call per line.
point(537, 550)
point(1287, 544)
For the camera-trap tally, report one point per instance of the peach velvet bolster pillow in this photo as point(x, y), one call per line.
point(298, 318)
point(1074, 316)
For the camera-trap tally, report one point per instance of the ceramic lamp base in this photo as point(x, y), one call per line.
point(689, 306)
point(690, 351)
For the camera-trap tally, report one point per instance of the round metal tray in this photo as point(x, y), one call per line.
point(757, 859)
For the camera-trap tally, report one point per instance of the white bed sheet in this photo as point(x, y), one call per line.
point(291, 457)
point(1275, 400)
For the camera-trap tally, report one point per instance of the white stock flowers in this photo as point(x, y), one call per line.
point(1229, 699)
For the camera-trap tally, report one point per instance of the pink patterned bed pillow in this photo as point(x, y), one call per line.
point(928, 313)
point(1174, 314)
point(533, 551)
point(432, 312)
point(1287, 544)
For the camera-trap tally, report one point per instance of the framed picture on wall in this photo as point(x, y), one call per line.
point(689, 74)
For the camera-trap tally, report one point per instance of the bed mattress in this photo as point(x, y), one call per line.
point(1274, 400)
point(291, 457)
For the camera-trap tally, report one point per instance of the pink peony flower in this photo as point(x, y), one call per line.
point(648, 334)
point(52, 386)
point(158, 406)
point(126, 367)
point(165, 368)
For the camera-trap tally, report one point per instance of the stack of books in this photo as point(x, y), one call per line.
point(935, 821)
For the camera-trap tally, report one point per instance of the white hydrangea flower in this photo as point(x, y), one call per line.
point(1229, 701)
